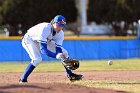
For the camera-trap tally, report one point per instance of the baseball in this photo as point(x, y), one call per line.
point(110, 62)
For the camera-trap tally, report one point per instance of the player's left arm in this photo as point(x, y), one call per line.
point(43, 42)
point(58, 43)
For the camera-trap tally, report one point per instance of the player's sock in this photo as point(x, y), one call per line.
point(68, 71)
point(27, 71)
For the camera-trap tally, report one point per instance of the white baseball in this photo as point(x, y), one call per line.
point(110, 62)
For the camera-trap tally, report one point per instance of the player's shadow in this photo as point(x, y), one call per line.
point(4, 92)
point(22, 86)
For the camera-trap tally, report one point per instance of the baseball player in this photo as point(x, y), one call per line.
point(46, 38)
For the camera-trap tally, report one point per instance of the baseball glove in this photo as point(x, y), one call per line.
point(70, 63)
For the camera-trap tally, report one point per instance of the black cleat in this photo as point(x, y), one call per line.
point(23, 81)
point(74, 77)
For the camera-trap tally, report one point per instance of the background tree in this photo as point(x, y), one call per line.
point(30, 12)
point(113, 10)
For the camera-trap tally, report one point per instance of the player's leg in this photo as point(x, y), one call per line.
point(34, 53)
point(70, 75)
point(51, 46)
point(68, 71)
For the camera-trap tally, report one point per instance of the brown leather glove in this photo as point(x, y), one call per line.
point(70, 63)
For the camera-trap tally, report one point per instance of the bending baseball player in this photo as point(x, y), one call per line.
point(47, 38)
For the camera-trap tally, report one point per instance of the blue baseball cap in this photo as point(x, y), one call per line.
point(60, 20)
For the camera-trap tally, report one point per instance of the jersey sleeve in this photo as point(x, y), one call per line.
point(44, 34)
point(44, 50)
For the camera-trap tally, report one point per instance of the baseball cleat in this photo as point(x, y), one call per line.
point(75, 77)
point(22, 81)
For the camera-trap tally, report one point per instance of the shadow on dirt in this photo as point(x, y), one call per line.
point(52, 88)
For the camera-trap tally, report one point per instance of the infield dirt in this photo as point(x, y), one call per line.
point(48, 82)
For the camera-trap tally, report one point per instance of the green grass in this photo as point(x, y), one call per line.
point(131, 64)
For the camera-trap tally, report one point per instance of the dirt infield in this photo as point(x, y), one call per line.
point(45, 82)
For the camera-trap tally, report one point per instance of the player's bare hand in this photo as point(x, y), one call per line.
point(60, 55)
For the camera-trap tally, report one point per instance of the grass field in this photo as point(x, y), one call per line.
point(125, 85)
point(131, 64)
